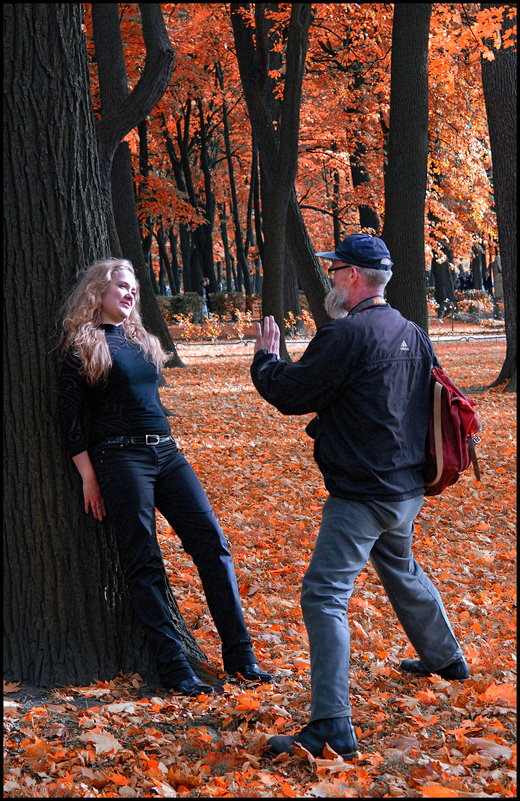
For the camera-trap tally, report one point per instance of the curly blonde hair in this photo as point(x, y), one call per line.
point(81, 320)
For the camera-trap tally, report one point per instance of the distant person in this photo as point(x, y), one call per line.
point(488, 282)
point(206, 309)
point(130, 465)
point(366, 375)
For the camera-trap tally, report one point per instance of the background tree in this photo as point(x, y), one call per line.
point(499, 79)
point(277, 148)
point(123, 110)
point(343, 139)
point(406, 170)
point(67, 617)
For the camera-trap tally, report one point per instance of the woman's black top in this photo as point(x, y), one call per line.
point(126, 403)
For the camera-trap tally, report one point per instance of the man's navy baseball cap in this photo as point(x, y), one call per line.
point(362, 250)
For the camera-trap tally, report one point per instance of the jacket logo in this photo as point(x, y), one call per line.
point(404, 346)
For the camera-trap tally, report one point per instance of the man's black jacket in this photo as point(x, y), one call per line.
point(367, 376)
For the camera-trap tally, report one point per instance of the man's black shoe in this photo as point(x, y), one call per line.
point(456, 671)
point(337, 732)
point(193, 687)
point(251, 672)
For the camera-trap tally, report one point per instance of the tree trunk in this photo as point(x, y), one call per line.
point(278, 149)
point(172, 238)
point(186, 247)
point(368, 217)
point(163, 255)
point(255, 173)
point(313, 281)
point(239, 245)
point(117, 112)
point(146, 239)
point(405, 175)
point(444, 288)
point(67, 616)
point(499, 78)
point(291, 297)
point(225, 243)
point(205, 232)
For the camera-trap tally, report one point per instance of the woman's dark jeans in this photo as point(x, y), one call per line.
point(134, 481)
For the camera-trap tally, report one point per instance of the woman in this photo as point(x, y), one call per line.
point(130, 466)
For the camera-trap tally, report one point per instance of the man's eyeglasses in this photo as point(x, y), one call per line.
point(331, 270)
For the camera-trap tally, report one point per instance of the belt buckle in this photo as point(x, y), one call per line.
point(152, 439)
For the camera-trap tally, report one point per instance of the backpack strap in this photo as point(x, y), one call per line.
point(437, 432)
point(472, 453)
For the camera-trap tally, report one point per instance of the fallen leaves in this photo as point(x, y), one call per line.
point(420, 737)
point(103, 742)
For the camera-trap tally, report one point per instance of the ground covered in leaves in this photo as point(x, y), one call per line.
point(418, 737)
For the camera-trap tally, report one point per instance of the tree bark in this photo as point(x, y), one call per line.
point(406, 170)
point(67, 616)
point(499, 79)
point(120, 109)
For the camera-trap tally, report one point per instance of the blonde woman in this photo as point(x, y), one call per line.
point(130, 465)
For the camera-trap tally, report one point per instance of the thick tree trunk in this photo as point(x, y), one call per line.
point(405, 176)
point(67, 616)
point(499, 80)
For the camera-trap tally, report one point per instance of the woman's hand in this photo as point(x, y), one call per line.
point(91, 492)
point(269, 340)
point(93, 499)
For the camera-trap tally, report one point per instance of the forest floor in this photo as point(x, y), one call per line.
point(418, 737)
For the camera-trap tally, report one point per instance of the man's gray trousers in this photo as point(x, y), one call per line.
point(352, 532)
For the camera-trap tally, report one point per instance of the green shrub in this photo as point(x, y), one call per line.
point(184, 305)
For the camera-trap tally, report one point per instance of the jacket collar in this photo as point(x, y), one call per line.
point(368, 303)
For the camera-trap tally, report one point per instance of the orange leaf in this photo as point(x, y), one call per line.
point(11, 687)
point(506, 692)
point(433, 790)
point(118, 778)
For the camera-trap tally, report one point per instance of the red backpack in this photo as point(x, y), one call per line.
point(450, 444)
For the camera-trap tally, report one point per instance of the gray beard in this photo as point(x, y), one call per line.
point(336, 303)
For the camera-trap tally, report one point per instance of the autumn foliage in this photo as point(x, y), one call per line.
point(344, 121)
point(418, 737)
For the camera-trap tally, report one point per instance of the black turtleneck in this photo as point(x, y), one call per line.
point(126, 403)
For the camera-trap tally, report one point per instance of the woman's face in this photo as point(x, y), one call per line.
point(118, 299)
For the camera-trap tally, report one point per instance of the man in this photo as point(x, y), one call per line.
point(367, 376)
